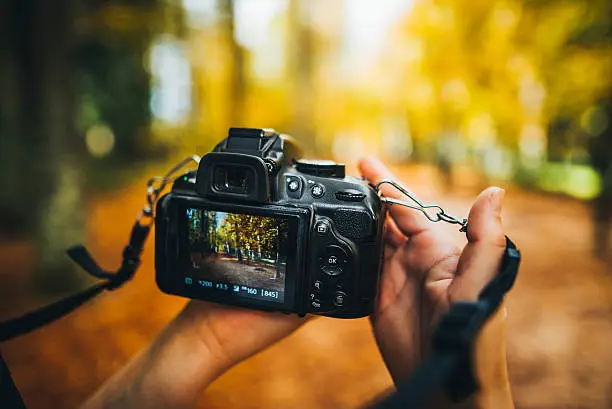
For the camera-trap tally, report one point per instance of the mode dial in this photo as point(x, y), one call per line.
point(324, 168)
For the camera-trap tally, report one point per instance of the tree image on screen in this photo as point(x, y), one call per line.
point(238, 248)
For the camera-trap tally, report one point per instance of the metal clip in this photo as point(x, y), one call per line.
point(433, 212)
point(156, 185)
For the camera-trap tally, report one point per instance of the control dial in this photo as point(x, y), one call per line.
point(324, 168)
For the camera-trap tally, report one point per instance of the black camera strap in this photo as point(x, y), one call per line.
point(449, 366)
point(9, 395)
point(110, 281)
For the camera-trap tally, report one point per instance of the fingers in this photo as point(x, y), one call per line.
point(480, 260)
point(408, 221)
point(393, 235)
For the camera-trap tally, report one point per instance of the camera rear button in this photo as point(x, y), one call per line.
point(316, 304)
point(322, 228)
point(317, 191)
point(339, 299)
point(331, 271)
point(293, 184)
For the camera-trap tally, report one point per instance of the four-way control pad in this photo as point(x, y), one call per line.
point(331, 269)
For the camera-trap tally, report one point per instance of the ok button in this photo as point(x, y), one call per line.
point(334, 260)
point(335, 256)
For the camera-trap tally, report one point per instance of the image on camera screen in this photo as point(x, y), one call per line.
point(237, 253)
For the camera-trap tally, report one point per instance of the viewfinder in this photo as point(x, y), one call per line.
point(233, 179)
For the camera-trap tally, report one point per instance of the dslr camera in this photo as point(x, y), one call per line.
point(258, 227)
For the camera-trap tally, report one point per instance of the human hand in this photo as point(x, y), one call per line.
point(233, 334)
point(201, 343)
point(424, 272)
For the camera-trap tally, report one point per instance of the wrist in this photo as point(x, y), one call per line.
point(185, 359)
point(491, 364)
point(490, 368)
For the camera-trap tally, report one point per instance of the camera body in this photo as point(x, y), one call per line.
point(258, 227)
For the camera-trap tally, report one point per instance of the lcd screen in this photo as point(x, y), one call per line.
point(239, 254)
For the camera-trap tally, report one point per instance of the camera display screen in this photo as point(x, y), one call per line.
point(238, 254)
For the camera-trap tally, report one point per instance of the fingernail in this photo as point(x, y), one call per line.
point(497, 198)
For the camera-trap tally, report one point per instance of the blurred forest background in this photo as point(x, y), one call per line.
point(488, 91)
point(97, 95)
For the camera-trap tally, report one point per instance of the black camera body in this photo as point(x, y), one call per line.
point(258, 227)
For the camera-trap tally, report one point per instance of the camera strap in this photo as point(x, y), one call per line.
point(110, 281)
point(449, 365)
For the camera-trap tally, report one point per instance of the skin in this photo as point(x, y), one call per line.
point(423, 274)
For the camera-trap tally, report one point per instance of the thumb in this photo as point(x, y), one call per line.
point(481, 257)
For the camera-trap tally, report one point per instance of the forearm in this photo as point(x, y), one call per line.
point(170, 373)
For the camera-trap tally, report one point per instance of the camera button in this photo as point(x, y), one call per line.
point(322, 228)
point(339, 299)
point(317, 285)
point(317, 190)
point(316, 304)
point(335, 257)
point(331, 271)
point(293, 184)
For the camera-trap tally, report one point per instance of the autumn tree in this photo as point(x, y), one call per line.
point(254, 237)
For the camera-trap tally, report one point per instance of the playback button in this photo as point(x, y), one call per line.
point(322, 228)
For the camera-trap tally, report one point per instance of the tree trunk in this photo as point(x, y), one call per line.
point(301, 64)
point(601, 158)
point(278, 259)
point(236, 64)
point(40, 185)
point(62, 218)
point(238, 244)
